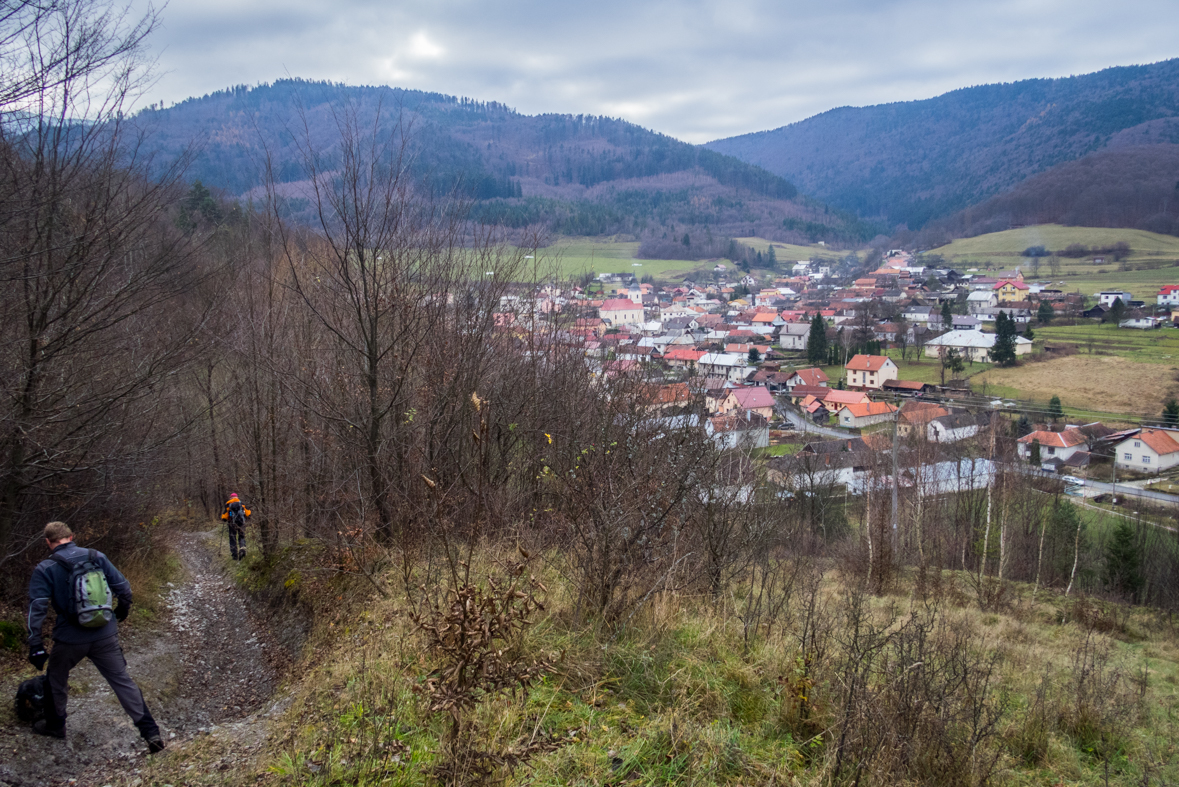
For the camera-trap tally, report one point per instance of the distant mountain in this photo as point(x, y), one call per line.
point(578, 174)
point(915, 161)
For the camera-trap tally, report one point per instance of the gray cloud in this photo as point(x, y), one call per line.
point(694, 70)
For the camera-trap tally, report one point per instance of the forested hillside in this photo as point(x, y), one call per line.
point(912, 162)
point(579, 174)
point(1136, 187)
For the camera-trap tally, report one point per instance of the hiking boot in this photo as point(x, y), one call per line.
point(42, 728)
point(155, 744)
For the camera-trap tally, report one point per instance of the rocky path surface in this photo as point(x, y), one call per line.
point(211, 666)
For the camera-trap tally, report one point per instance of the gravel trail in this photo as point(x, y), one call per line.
point(212, 665)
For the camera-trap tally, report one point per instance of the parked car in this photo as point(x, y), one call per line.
point(1072, 479)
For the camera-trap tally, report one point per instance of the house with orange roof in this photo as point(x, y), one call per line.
point(1149, 451)
point(682, 356)
point(857, 416)
point(835, 399)
point(870, 371)
point(1054, 445)
point(915, 415)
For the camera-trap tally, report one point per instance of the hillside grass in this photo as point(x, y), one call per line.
point(679, 696)
point(1157, 254)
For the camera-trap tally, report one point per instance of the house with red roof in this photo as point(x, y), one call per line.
point(1169, 295)
point(1010, 291)
point(870, 371)
point(621, 311)
point(813, 376)
point(1149, 451)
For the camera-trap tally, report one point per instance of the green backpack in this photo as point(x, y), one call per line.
point(90, 595)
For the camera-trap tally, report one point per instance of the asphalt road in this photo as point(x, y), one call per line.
point(809, 427)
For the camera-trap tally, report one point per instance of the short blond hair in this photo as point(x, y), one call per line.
point(56, 531)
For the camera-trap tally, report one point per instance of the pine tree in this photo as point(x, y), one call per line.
point(1003, 352)
point(1034, 455)
point(1055, 410)
point(1123, 562)
point(1171, 413)
point(1045, 313)
point(754, 356)
point(816, 345)
point(947, 316)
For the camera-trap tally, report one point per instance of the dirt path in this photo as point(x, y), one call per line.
point(212, 665)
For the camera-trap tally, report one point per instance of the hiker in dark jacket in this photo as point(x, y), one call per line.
point(235, 518)
point(73, 642)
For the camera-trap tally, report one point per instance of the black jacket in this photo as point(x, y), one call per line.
point(50, 584)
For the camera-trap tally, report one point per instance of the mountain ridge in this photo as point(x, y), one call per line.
point(912, 162)
point(610, 175)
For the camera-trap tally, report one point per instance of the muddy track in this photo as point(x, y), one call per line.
point(212, 665)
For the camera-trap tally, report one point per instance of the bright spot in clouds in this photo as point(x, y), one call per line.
point(694, 69)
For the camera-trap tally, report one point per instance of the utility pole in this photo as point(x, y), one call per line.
point(896, 421)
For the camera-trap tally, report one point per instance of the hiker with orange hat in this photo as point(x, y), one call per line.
point(235, 517)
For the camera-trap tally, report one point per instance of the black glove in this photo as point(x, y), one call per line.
point(122, 611)
point(38, 657)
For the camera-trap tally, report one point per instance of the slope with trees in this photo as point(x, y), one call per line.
point(914, 161)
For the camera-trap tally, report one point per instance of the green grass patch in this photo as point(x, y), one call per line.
point(1150, 265)
point(783, 449)
point(1157, 346)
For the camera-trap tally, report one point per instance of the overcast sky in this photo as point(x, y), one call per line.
point(695, 70)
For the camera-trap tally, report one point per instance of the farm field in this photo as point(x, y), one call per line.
point(1088, 385)
point(1158, 346)
point(1153, 260)
point(573, 257)
point(789, 252)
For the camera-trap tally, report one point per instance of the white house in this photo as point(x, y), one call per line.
point(870, 371)
point(1105, 298)
point(731, 366)
point(972, 345)
point(1149, 451)
point(621, 311)
point(1169, 295)
point(1053, 445)
point(794, 335)
point(746, 430)
point(981, 300)
point(952, 428)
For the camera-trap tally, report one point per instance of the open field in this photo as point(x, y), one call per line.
point(1157, 346)
point(572, 257)
point(1009, 243)
point(1088, 383)
point(789, 252)
point(1152, 262)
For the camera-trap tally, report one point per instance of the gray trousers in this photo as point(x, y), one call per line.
point(107, 657)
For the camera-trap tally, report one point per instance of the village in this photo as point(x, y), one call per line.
point(802, 372)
